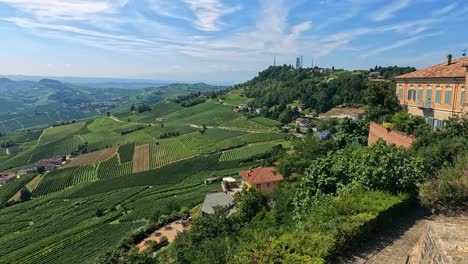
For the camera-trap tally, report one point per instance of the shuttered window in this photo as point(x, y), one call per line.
point(438, 96)
point(420, 94)
point(462, 98)
point(448, 96)
point(400, 93)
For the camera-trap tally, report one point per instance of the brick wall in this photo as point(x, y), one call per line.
point(377, 131)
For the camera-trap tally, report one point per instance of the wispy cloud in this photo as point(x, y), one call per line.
point(209, 12)
point(445, 10)
point(398, 44)
point(389, 11)
point(59, 9)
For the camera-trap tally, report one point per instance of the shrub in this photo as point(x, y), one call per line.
point(448, 192)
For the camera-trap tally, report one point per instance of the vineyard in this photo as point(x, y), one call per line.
point(246, 152)
point(126, 152)
point(91, 158)
point(166, 151)
point(130, 179)
point(112, 168)
point(54, 133)
point(59, 147)
point(198, 143)
point(141, 158)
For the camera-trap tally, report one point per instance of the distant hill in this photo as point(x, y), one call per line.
point(30, 104)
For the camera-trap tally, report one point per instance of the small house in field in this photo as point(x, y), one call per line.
point(259, 111)
point(217, 199)
point(301, 107)
point(262, 178)
point(302, 122)
point(6, 177)
point(243, 107)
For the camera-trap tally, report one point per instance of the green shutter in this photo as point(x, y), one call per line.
point(462, 98)
point(400, 94)
point(438, 96)
point(420, 93)
point(448, 96)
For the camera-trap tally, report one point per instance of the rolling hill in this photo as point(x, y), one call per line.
point(30, 104)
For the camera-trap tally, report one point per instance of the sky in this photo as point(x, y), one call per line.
point(221, 41)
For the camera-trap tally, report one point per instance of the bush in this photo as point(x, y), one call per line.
point(448, 192)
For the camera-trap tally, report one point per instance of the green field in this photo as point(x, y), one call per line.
point(60, 225)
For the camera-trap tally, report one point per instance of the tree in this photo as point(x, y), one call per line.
point(25, 195)
point(99, 212)
point(250, 203)
point(40, 169)
point(381, 100)
point(108, 114)
point(351, 131)
point(132, 108)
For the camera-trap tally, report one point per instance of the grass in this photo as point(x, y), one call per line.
point(126, 152)
point(54, 133)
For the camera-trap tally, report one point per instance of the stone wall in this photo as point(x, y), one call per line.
point(377, 131)
point(442, 242)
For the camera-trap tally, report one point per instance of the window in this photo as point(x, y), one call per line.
point(400, 93)
point(438, 96)
point(462, 98)
point(412, 95)
point(420, 94)
point(448, 96)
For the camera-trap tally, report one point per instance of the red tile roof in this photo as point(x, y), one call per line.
point(454, 70)
point(261, 175)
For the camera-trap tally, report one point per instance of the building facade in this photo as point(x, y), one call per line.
point(265, 179)
point(437, 93)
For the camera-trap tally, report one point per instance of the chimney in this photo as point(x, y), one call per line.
point(449, 59)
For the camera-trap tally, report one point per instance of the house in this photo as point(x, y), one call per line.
point(259, 111)
point(303, 122)
point(301, 107)
point(323, 135)
point(243, 107)
point(6, 177)
point(48, 164)
point(262, 178)
point(212, 180)
point(436, 93)
point(218, 199)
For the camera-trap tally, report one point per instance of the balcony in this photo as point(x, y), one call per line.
point(425, 105)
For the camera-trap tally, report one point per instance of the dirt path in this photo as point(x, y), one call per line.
point(141, 158)
point(170, 231)
point(121, 121)
point(392, 246)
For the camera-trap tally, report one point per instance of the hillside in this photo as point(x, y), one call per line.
point(29, 104)
point(131, 167)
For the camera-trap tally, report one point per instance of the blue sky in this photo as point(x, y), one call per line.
point(222, 41)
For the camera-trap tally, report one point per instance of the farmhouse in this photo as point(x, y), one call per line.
point(6, 177)
point(437, 93)
point(262, 178)
point(258, 111)
point(47, 164)
point(218, 199)
point(303, 122)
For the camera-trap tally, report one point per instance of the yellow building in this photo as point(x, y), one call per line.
point(436, 93)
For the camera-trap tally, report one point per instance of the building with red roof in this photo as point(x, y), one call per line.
point(437, 92)
point(262, 178)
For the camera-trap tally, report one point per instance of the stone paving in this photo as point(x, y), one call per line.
point(391, 246)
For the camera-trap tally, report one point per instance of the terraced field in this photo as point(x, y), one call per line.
point(166, 151)
point(92, 157)
point(136, 177)
point(141, 158)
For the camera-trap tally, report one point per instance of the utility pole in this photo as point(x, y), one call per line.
point(274, 61)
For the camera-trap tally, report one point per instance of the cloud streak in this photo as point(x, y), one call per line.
point(389, 11)
point(59, 9)
point(209, 12)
